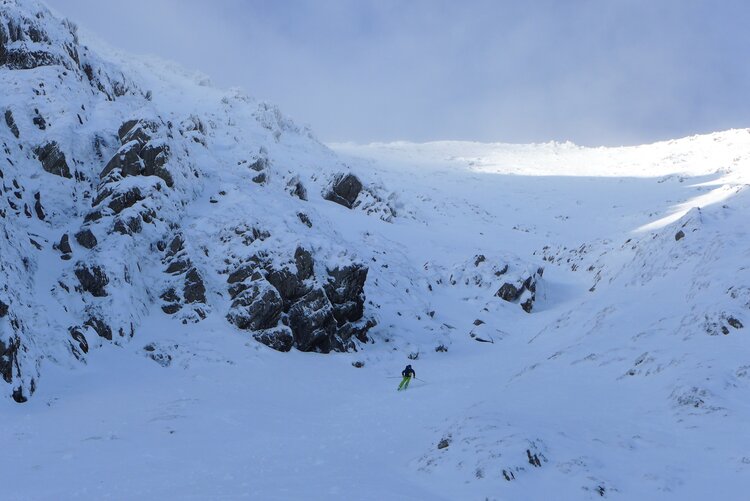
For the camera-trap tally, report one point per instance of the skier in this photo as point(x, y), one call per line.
point(408, 373)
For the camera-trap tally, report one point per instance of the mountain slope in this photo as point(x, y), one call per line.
point(151, 190)
point(171, 254)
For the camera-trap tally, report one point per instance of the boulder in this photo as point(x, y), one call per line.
point(40, 122)
point(344, 190)
point(86, 238)
point(731, 321)
point(18, 395)
point(522, 290)
point(508, 292)
point(304, 219)
point(64, 245)
point(259, 164)
point(3, 309)
point(296, 189)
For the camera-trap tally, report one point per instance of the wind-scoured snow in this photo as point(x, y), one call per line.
point(577, 317)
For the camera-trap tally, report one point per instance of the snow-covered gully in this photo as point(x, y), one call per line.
point(200, 300)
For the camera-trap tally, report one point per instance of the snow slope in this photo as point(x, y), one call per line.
point(625, 379)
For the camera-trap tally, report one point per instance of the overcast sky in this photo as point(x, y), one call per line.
point(596, 72)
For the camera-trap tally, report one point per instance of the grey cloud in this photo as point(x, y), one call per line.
point(591, 71)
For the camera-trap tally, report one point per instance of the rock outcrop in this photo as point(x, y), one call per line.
point(322, 314)
point(141, 191)
point(140, 154)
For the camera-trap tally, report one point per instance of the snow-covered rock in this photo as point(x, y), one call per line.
point(158, 235)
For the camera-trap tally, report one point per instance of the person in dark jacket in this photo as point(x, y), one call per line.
point(408, 373)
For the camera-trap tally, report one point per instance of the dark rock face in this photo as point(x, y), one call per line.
point(172, 300)
point(126, 127)
point(508, 292)
point(194, 290)
point(345, 291)
point(171, 309)
point(78, 336)
point(92, 279)
point(289, 285)
point(11, 123)
point(178, 266)
point(304, 261)
point(296, 189)
point(313, 323)
point(731, 321)
point(188, 287)
point(3, 309)
point(64, 245)
point(260, 164)
point(122, 201)
point(344, 190)
point(241, 274)
point(305, 219)
point(158, 354)
point(139, 154)
point(258, 307)
point(100, 327)
point(8, 358)
point(40, 122)
point(21, 57)
point(528, 304)
point(18, 395)
point(53, 160)
point(86, 238)
point(129, 226)
point(320, 318)
point(38, 208)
